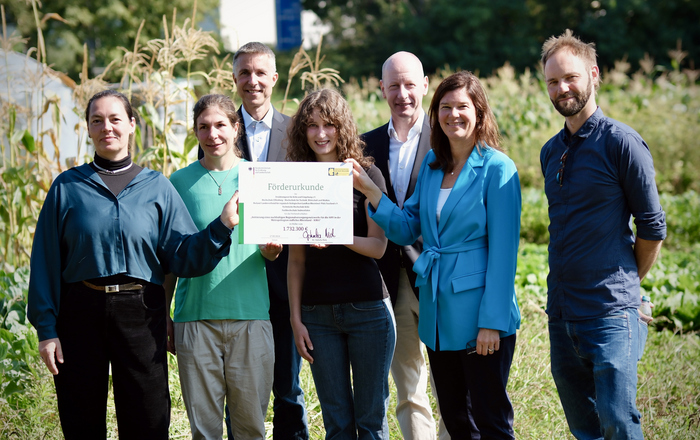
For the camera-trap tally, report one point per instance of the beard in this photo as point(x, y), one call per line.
point(571, 108)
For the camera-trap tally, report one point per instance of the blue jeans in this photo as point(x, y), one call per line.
point(594, 365)
point(360, 336)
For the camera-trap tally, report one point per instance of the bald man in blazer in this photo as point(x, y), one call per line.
point(397, 257)
point(398, 148)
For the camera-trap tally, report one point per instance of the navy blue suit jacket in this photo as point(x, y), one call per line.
point(396, 256)
point(276, 152)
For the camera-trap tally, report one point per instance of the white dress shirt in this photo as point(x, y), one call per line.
point(402, 156)
point(258, 134)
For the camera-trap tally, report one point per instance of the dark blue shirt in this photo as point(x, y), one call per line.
point(607, 177)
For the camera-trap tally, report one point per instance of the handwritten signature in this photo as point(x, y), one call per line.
point(328, 233)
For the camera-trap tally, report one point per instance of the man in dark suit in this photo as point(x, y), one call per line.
point(262, 137)
point(398, 148)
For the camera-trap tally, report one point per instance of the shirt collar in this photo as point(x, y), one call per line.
point(587, 127)
point(414, 131)
point(247, 119)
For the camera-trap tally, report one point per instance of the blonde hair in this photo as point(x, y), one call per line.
point(567, 40)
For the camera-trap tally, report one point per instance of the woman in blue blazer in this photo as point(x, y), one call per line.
point(466, 205)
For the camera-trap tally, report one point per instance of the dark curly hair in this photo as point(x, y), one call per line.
point(333, 110)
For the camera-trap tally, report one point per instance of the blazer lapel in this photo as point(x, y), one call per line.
point(277, 135)
point(433, 191)
point(423, 148)
point(381, 159)
point(464, 181)
point(242, 143)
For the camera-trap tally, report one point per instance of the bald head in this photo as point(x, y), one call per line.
point(402, 61)
point(403, 86)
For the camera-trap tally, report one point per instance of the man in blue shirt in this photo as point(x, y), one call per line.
point(598, 174)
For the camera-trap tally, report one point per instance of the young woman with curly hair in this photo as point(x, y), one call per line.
point(340, 310)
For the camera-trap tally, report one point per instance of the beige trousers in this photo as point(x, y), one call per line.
point(410, 372)
point(227, 360)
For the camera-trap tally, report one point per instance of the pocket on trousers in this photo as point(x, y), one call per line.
point(307, 308)
point(368, 306)
point(469, 282)
point(152, 299)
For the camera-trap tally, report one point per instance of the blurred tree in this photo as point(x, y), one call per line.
point(104, 25)
point(481, 35)
point(631, 28)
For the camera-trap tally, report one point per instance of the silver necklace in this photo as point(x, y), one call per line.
point(112, 171)
point(222, 182)
point(455, 168)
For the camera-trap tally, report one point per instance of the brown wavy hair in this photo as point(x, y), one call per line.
point(486, 131)
point(333, 109)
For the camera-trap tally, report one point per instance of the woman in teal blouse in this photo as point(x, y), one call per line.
point(106, 236)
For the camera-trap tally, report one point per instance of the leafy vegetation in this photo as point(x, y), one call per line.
point(18, 344)
point(674, 286)
point(101, 28)
point(662, 103)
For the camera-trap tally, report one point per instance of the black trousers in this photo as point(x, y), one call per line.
point(471, 390)
point(128, 331)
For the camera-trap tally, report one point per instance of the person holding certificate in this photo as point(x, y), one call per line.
point(466, 205)
point(340, 309)
point(107, 233)
point(222, 331)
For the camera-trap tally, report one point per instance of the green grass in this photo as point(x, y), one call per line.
point(668, 397)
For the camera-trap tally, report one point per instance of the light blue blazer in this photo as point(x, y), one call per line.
point(466, 273)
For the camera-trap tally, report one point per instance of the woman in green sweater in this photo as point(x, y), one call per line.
point(222, 331)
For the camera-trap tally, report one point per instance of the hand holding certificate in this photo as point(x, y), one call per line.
point(295, 203)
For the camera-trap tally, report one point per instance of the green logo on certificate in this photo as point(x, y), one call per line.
point(339, 171)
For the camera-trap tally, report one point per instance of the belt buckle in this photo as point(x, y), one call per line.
point(112, 289)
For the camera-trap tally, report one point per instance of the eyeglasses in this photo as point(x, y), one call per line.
point(562, 163)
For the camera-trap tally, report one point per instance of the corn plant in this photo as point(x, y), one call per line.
point(27, 170)
point(316, 76)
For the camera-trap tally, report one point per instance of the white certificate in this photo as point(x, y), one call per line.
point(295, 203)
